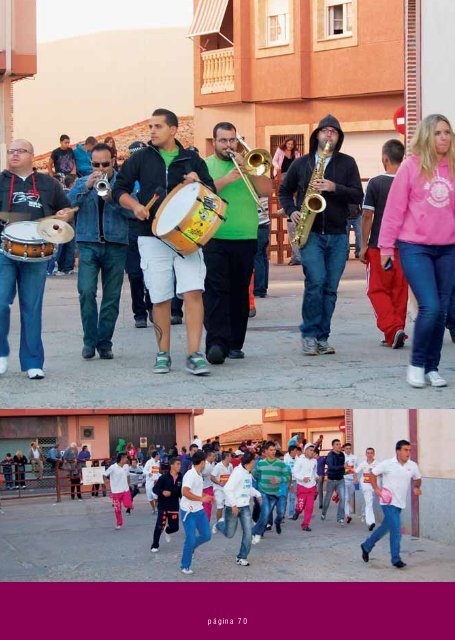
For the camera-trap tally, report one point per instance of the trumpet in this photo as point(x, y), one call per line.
point(256, 162)
point(102, 186)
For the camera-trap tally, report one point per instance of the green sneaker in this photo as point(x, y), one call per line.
point(162, 362)
point(197, 364)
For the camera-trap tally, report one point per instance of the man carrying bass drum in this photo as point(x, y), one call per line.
point(159, 168)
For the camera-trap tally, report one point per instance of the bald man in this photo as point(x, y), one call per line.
point(32, 195)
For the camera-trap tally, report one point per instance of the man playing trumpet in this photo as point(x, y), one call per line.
point(102, 240)
point(324, 254)
point(230, 254)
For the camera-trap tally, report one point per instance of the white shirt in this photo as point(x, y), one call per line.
point(350, 463)
point(290, 461)
point(397, 478)
point(364, 469)
point(118, 477)
point(35, 453)
point(239, 488)
point(305, 468)
point(206, 472)
point(221, 473)
point(152, 467)
point(197, 441)
point(193, 480)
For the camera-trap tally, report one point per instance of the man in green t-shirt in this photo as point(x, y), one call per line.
point(229, 255)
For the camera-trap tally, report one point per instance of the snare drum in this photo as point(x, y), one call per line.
point(188, 217)
point(21, 241)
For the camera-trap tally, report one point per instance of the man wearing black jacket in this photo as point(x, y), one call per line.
point(27, 195)
point(168, 488)
point(335, 480)
point(324, 255)
point(159, 168)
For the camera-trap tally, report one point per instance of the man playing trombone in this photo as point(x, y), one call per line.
point(229, 255)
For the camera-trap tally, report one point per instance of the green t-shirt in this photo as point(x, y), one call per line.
point(241, 215)
point(169, 156)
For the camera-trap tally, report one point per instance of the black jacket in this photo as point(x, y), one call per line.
point(149, 169)
point(166, 483)
point(335, 465)
point(342, 169)
point(51, 194)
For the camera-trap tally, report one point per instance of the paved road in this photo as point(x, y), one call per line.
point(274, 372)
point(76, 541)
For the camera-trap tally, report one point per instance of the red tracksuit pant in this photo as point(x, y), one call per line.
point(117, 500)
point(305, 503)
point(388, 293)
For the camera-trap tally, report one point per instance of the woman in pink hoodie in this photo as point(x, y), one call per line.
point(420, 218)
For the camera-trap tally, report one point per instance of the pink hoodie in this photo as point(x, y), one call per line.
point(419, 210)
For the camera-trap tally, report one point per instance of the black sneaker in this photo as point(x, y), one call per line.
point(268, 527)
point(215, 354)
point(295, 516)
point(348, 519)
point(371, 527)
point(452, 334)
point(398, 341)
point(88, 353)
point(306, 529)
point(141, 323)
point(176, 320)
point(399, 564)
point(278, 528)
point(365, 553)
point(105, 354)
point(236, 354)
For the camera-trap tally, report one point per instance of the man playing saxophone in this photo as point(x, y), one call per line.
point(323, 255)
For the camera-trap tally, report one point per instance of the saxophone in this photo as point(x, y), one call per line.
point(313, 203)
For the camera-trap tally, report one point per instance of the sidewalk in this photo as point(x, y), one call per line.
point(274, 372)
point(77, 541)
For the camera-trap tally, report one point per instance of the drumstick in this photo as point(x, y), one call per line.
point(72, 210)
point(150, 204)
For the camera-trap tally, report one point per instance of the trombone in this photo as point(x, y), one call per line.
point(256, 162)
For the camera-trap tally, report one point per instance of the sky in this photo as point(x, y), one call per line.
point(57, 20)
point(216, 421)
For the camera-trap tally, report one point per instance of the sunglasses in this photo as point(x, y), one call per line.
point(11, 152)
point(105, 165)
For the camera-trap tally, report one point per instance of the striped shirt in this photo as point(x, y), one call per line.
point(267, 469)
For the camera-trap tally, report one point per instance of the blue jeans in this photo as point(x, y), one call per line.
point(261, 262)
point(229, 527)
point(109, 258)
point(65, 256)
point(430, 272)
point(291, 495)
point(334, 485)
point(323, 261)
point(268, 503)
point(30, 280)
point(391, 524)
point(192, 521)
point(450, 323)
point(355, 223)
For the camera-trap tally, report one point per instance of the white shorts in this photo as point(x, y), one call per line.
point(159, 263)
point(219, 498)
point(149, 492)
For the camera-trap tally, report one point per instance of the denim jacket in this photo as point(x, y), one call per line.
point(115, 217)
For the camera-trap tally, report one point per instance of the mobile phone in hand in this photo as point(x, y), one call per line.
point(388, 265)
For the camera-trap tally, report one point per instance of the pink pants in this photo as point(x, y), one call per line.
point(305, 503)
point(117, 500)
point(208, 505)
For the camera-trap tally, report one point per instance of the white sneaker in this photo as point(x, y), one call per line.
point(167, 537)
point(214, 528)
point(242, 562)
point(119, 526)
point(35, 374)
point(3, 364)
point(187, 572)
point(256, 539)
point(154, 550)
point(433, 378)
point(415, 376)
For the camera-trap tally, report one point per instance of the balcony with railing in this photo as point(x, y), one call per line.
point(217, 71)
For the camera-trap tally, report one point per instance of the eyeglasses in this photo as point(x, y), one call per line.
point(11, 152)
point(328, 130)
point(105, 165)
point(226, 141)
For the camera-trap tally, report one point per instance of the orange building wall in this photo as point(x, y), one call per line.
point(99, 446)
